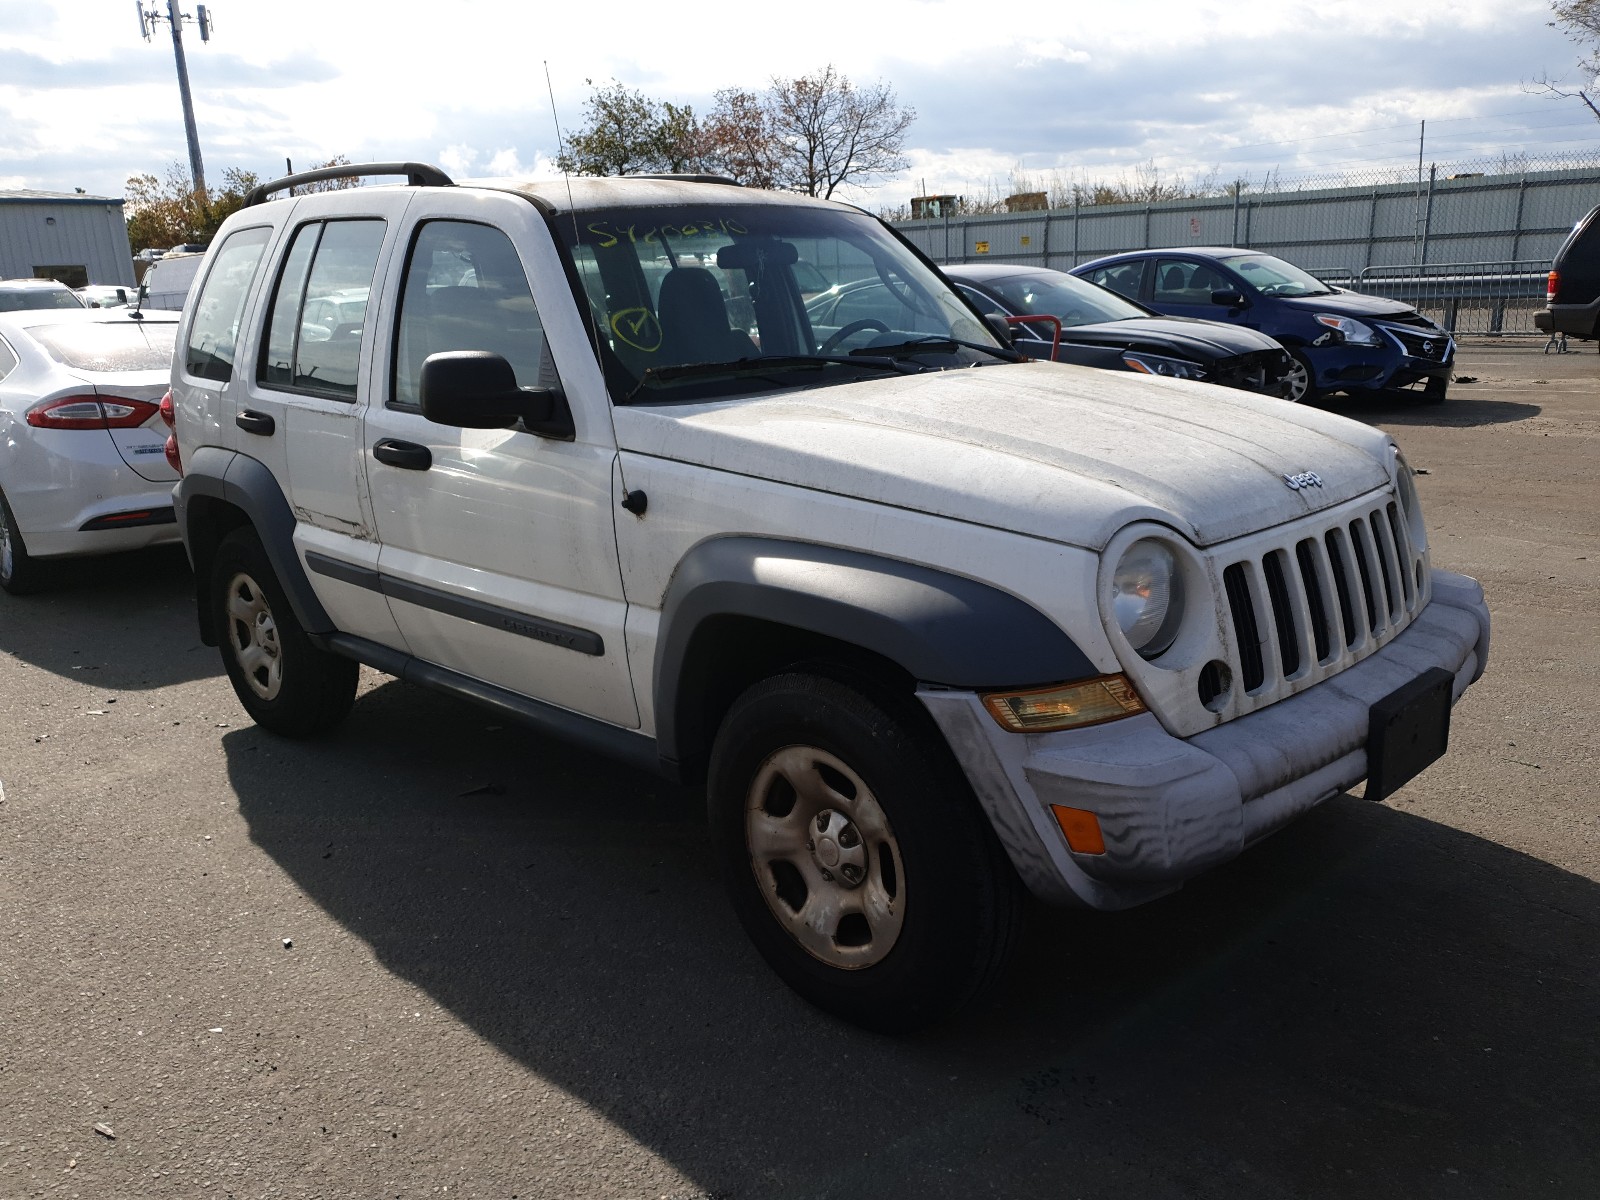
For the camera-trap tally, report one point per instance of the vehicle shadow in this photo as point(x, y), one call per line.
point(1458, 412)
point(1367, 1004)
point(128, 618)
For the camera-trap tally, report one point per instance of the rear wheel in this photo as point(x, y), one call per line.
point(856, 857)
point(20, 572)
point(285, 683)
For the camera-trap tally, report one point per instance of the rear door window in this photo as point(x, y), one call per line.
point(314, 335)
point(214, 334)
point(1122, 278)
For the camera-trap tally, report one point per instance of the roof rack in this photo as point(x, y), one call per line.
point(417, 175)
point(687, 178)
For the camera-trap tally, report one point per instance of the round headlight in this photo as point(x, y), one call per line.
point(1410, 504)
point(1147, 596)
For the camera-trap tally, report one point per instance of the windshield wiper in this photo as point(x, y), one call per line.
point(936, 344)
point(656, 377)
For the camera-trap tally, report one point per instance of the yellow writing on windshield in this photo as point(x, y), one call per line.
point(637, 327)
point(608, 235)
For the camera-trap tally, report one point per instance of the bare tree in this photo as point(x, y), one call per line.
point(738, 138)
point(1580, 21)
point(835, 133)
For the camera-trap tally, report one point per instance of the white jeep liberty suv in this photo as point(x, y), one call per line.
point(935, 625)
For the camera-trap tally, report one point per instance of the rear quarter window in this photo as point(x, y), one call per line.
point(219, 308)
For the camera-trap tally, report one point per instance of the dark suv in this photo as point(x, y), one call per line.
point(1342, 341)
point(1573, 303)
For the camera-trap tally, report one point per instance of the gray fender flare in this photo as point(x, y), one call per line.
point(249, 486)
point(940, 628)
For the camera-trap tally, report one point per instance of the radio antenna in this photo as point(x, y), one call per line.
point(594, 324)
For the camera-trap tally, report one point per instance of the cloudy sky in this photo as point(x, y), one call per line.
point(1085, 89)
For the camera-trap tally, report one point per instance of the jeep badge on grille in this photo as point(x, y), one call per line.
point(1306, 479)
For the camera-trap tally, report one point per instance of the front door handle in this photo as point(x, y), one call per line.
point(255, 422)
point(406, 455)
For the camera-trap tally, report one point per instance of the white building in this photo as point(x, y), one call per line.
point(76, 239)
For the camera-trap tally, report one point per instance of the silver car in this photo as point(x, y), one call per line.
point(83, 468)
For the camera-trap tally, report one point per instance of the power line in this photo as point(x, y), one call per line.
point(1386, 128)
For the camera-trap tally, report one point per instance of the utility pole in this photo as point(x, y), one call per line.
point(1416, 205)
point(148, 18)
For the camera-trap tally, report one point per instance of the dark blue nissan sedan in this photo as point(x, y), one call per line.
point(1341, 341)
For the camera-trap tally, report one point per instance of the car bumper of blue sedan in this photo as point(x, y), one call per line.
point(1395, 362)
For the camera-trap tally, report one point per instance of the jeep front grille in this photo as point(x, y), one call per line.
point(1313, 603)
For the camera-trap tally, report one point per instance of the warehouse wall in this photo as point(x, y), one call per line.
point(39, 230)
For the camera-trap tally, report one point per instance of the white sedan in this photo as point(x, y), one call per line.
point(82, 462)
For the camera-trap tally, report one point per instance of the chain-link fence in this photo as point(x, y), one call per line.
point(1468, 242)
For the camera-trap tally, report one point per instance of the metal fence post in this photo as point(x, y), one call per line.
point(1075, 203)
point(1372, 226)
point(1427, 218)
point(1044, 250)
point(1238, 186)
point(1516, 229)
point(1146, 227)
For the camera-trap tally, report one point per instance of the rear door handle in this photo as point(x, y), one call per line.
point(255, 422)
point(406, 455)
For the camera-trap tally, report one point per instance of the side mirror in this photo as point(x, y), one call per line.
point(1001, 328)
point(476, 389)
point(1228, 298)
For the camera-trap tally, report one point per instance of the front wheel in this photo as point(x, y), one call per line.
point(856, 857)
point(285, 683)
point(1298, 387)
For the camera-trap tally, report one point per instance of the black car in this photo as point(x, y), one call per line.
point(1099, 328)
point(1341, 341)
point(1573, 304)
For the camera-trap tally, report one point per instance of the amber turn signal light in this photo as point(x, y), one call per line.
point(1082, 828)
point(1065, 706)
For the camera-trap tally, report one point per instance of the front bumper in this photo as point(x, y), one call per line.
point(1171, 807)
point(1355, 369)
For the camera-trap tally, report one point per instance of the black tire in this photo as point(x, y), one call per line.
point(285, 683)
point(1297, 387)
point(20, 572)
point(1435, 391)
point(925, 923)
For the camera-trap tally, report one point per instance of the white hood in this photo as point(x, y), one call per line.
point(1064, 453)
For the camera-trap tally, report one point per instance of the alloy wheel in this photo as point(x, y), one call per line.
point(1298, 379)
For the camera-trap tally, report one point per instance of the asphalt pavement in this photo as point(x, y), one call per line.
point(435, 955)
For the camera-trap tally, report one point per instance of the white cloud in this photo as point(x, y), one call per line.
point(1186, 83)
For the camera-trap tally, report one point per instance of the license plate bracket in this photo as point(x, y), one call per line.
point(1406, 731)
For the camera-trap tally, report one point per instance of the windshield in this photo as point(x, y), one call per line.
point(36, 298)
point(1274, 277)
point(136, 346)
point(1075, 301)
point(677, 292)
